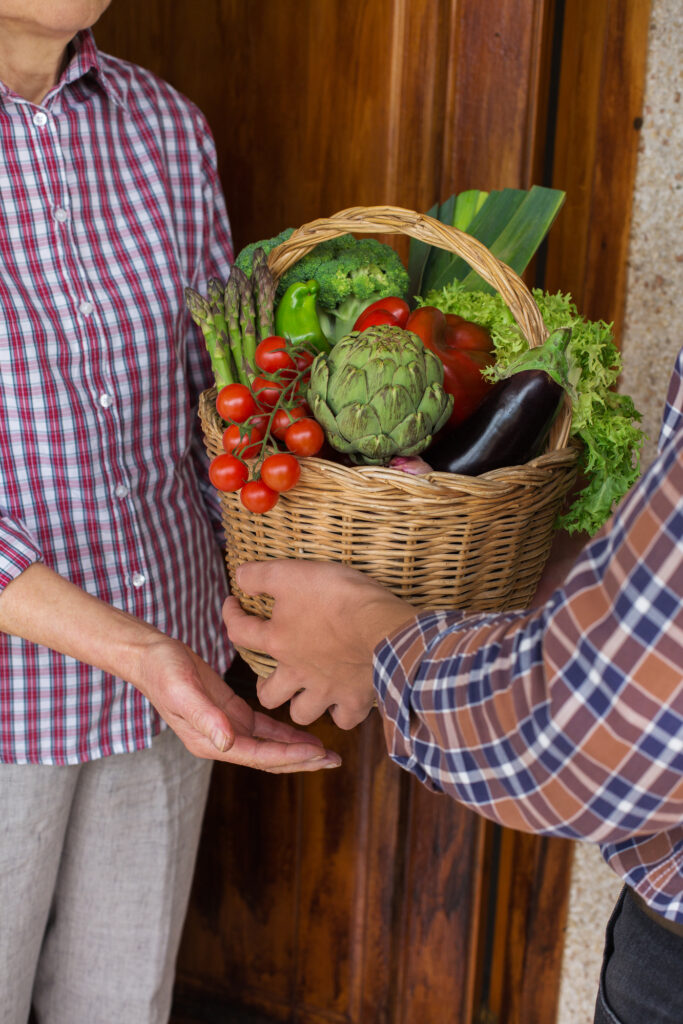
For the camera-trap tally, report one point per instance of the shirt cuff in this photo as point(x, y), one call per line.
point(17, 552)
point(396, 663)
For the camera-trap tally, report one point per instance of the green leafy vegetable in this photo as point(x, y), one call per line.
point(604, 420)
point(466, 205)
point(510, 222)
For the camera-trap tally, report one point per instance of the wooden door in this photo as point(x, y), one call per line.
point(321, 104)
point(358, 896)
point(343, 896)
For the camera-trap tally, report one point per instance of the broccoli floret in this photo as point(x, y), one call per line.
point(351, 273)
point(244, 258)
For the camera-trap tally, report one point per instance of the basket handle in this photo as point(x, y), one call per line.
point(396, 220)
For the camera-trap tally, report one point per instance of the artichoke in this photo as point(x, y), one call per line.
point(379, 393)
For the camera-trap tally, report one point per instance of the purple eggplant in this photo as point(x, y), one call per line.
point(508, 428)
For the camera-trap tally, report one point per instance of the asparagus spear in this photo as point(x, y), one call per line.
point(264, 286)
point(247, 319)
point(215, 338)
point(232, 305)
point(214, 295)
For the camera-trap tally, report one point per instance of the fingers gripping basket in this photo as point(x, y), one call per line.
point(444, 540)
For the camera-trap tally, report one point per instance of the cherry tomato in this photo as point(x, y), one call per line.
point(283, 418)
point(266, 391)
point(227, 473)
point(247, 445)
point(260, 421)
point(305, 437)
point(397, 308)
point(303, 359)
point(271, 355)
point(280, 471)
point(257, 496)
point(235, 402)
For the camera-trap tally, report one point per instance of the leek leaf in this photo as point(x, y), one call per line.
point(486, 226)
point(466, 205)
point(417, 257)
point(521, 236)
point(511, 223)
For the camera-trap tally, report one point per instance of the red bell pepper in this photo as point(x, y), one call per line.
point(464, 348)
point(390, 310)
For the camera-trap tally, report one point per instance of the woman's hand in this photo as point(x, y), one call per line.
point(213, 722)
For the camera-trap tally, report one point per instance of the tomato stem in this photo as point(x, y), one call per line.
point(285, 400)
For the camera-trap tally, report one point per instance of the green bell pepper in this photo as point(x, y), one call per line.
point(296, 317)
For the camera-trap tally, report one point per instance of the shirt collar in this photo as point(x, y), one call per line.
point(84, 60)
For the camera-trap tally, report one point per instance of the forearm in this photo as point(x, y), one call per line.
point(463, 700)
point(543, 720)
point(43, 607)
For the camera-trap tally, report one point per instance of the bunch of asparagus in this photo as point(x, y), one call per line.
point(234, 317)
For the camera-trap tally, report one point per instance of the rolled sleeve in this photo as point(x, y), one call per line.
point(18, 550)
point(566, 720)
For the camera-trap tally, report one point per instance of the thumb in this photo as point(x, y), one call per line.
point(205, 718)
point(244, 630)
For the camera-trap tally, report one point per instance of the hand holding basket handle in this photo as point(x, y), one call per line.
point(442, 540)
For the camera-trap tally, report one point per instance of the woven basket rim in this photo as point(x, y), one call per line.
point(399, 220)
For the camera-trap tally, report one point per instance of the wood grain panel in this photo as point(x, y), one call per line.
point(352, 896)
point(491, 119)
point(310, 103)
point(334, 838)
point(445, 882)
point(241, 934)
point(316, 106)
point(290, 905)
point(525, 959)
point(598, 116)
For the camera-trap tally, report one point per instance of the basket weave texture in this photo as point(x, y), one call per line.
point(439, 541)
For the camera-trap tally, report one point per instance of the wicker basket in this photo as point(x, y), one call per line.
point(441, 540)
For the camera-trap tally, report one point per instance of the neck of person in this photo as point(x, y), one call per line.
point(31, 65)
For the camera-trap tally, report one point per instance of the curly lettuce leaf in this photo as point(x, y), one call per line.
point(603, 420)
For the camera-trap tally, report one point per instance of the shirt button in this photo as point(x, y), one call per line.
point(85, 308)
point(106, 400)
point(39, 119)
point(121, 491)
point(138, 580)
point(61, 214)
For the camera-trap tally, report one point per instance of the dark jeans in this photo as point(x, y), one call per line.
point(642, 970)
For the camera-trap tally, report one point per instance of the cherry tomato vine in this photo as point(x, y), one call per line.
point(268, 427)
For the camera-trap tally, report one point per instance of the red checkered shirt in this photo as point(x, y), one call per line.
point(567, 720)
point(110, 205)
